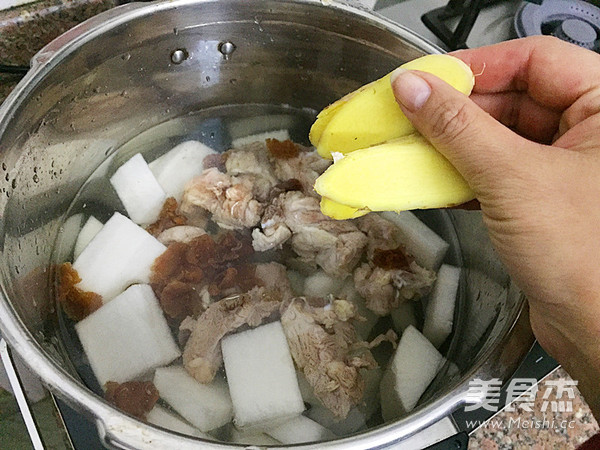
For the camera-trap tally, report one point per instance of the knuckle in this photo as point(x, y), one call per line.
point(583, 108)
point(451, 121)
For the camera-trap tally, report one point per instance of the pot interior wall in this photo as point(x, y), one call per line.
point(121, 81)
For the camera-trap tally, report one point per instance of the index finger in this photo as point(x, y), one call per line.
point(552, 72)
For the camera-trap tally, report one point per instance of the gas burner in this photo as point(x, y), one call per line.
point(573, 21)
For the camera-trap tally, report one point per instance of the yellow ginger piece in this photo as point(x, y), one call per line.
point(371, 116)
point(340, 212)
point(403, 174)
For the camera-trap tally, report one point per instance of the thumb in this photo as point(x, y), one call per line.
point(482, 149)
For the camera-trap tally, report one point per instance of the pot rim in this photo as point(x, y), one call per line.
point(118, 428)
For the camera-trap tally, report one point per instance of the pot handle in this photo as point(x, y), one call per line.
point(19, 393)
point(72, 35)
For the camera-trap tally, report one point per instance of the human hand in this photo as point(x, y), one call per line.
point(528, 143)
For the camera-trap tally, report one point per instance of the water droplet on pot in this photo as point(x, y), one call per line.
point(4, 166)
point(36, 178)
point(14, 183)
point(126, 57)
point(175, 31)
point(207, 78)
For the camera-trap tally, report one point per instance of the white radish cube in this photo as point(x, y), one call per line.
point(127, 337)
point(439, 314)
point(420, 241)
point(68, 236)
point(206, 406)
point(164, 418)
point(261, 376)
point(248, 438)
point(363, 327)
point(121, 254)
point(413, 367)
point(280, 135)
point(300, 429)
point(354, 421)
point(320, 284)
point(139, 190)
point(403, 316)
point(90, 229)
point(179, 165)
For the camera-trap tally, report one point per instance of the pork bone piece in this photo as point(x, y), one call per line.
point(90, 229)
point(164, 418)
point(413, 367)
point(121, 254)
point(139, 190)
point(127, 337)
point(420, 241)
point(300, 429)
point(179, 165)
point(206, 406)
point(439, 314)
point(262, 380)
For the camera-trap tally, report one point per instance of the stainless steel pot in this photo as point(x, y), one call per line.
point(137, 66)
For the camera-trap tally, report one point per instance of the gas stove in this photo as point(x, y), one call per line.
point(474, 23)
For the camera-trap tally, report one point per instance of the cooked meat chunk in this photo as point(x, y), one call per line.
point(382, 233)
point(274, 276)
point(181, 233)
point(295, 161)
point(374, 284)
point(324, 345)
point(230, 199)
point(336, 246)
point(415, 282)
point(391, 276)
point(202, 353)
point(252, 161)
point(384, 289)
point(270, 237)
point(391, 259)
point(134, 397)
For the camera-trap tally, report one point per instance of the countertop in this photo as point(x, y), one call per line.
point(24, 30)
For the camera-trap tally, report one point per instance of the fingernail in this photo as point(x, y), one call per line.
point(410, 89)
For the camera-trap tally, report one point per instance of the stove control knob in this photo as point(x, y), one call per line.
point(578, 32)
